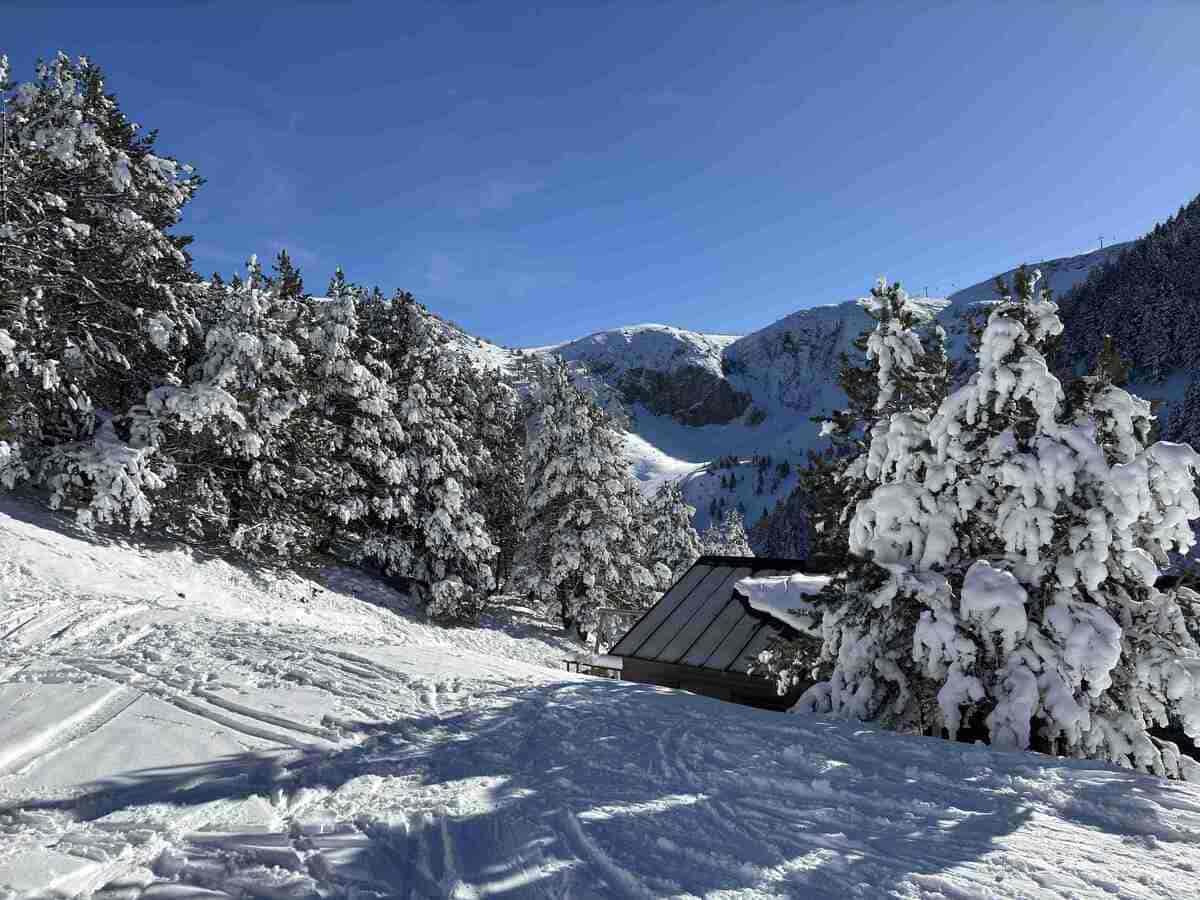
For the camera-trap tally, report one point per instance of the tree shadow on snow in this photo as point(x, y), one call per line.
point(591, 788)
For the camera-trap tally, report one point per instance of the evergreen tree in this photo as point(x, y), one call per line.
point(1025, 534)
point(231, 429)
point(581, 522)
point(782, 531)
point(423, 518)
point(1110, 365)
point(1185, 418)
point(673, 544)
point(495, 449)
point(287, 278)
point(92, 315)
point(354, 433)
point(819, 509)
point(865, 657)
point(726, 537)
point(900, 373)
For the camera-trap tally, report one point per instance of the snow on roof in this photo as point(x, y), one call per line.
point(784, 597)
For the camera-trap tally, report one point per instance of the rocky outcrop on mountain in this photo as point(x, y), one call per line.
point(691, 395)
point(671, 371)
point(789, 362)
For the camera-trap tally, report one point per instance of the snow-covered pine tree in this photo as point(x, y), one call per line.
point(726, 537)
point(1029, 534)
point(495, 449)
point(904, 368)
point(672, 543)
point(1131, 505)
point(866, 654)
point(286, 278)
point(230, 430)
point(426, 519)
point(581, 524)
point(89, 286)
point(347, 466)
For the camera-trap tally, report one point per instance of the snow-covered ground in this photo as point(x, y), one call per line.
point(173, 727)
point(651, 466)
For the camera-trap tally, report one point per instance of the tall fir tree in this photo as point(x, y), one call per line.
point(92, 315)
point(865, 631)
point(231, 429)
point(286, 278)
point(424, 521)
point(673, 544)
point(582, 515)
point(495, 448)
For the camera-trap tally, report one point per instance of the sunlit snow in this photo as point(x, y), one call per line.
point(173, 726)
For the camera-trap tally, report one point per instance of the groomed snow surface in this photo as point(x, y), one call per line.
point(173, 727)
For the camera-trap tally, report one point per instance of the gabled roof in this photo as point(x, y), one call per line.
point(701, 622)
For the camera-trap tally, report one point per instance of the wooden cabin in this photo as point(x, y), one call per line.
point(702, 635)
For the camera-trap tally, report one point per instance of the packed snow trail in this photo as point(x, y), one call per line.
point(179, 728)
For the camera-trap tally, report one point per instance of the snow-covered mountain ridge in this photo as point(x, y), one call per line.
point(173, 727)
point(694, 398)
point(671, 371)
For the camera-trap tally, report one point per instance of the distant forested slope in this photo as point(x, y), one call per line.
point(1148, 299)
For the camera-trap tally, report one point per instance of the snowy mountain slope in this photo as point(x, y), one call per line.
point(789, 370)
point(792, 364)
point(693, 398)
point(485, 354)
point(177, 728)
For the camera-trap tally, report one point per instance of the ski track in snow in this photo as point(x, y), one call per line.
point(175, 728)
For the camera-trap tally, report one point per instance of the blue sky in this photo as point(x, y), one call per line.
point(543, 174)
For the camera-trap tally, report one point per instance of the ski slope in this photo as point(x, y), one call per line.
point(177, 727)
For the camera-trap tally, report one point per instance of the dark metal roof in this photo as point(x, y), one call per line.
point(701, 622)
